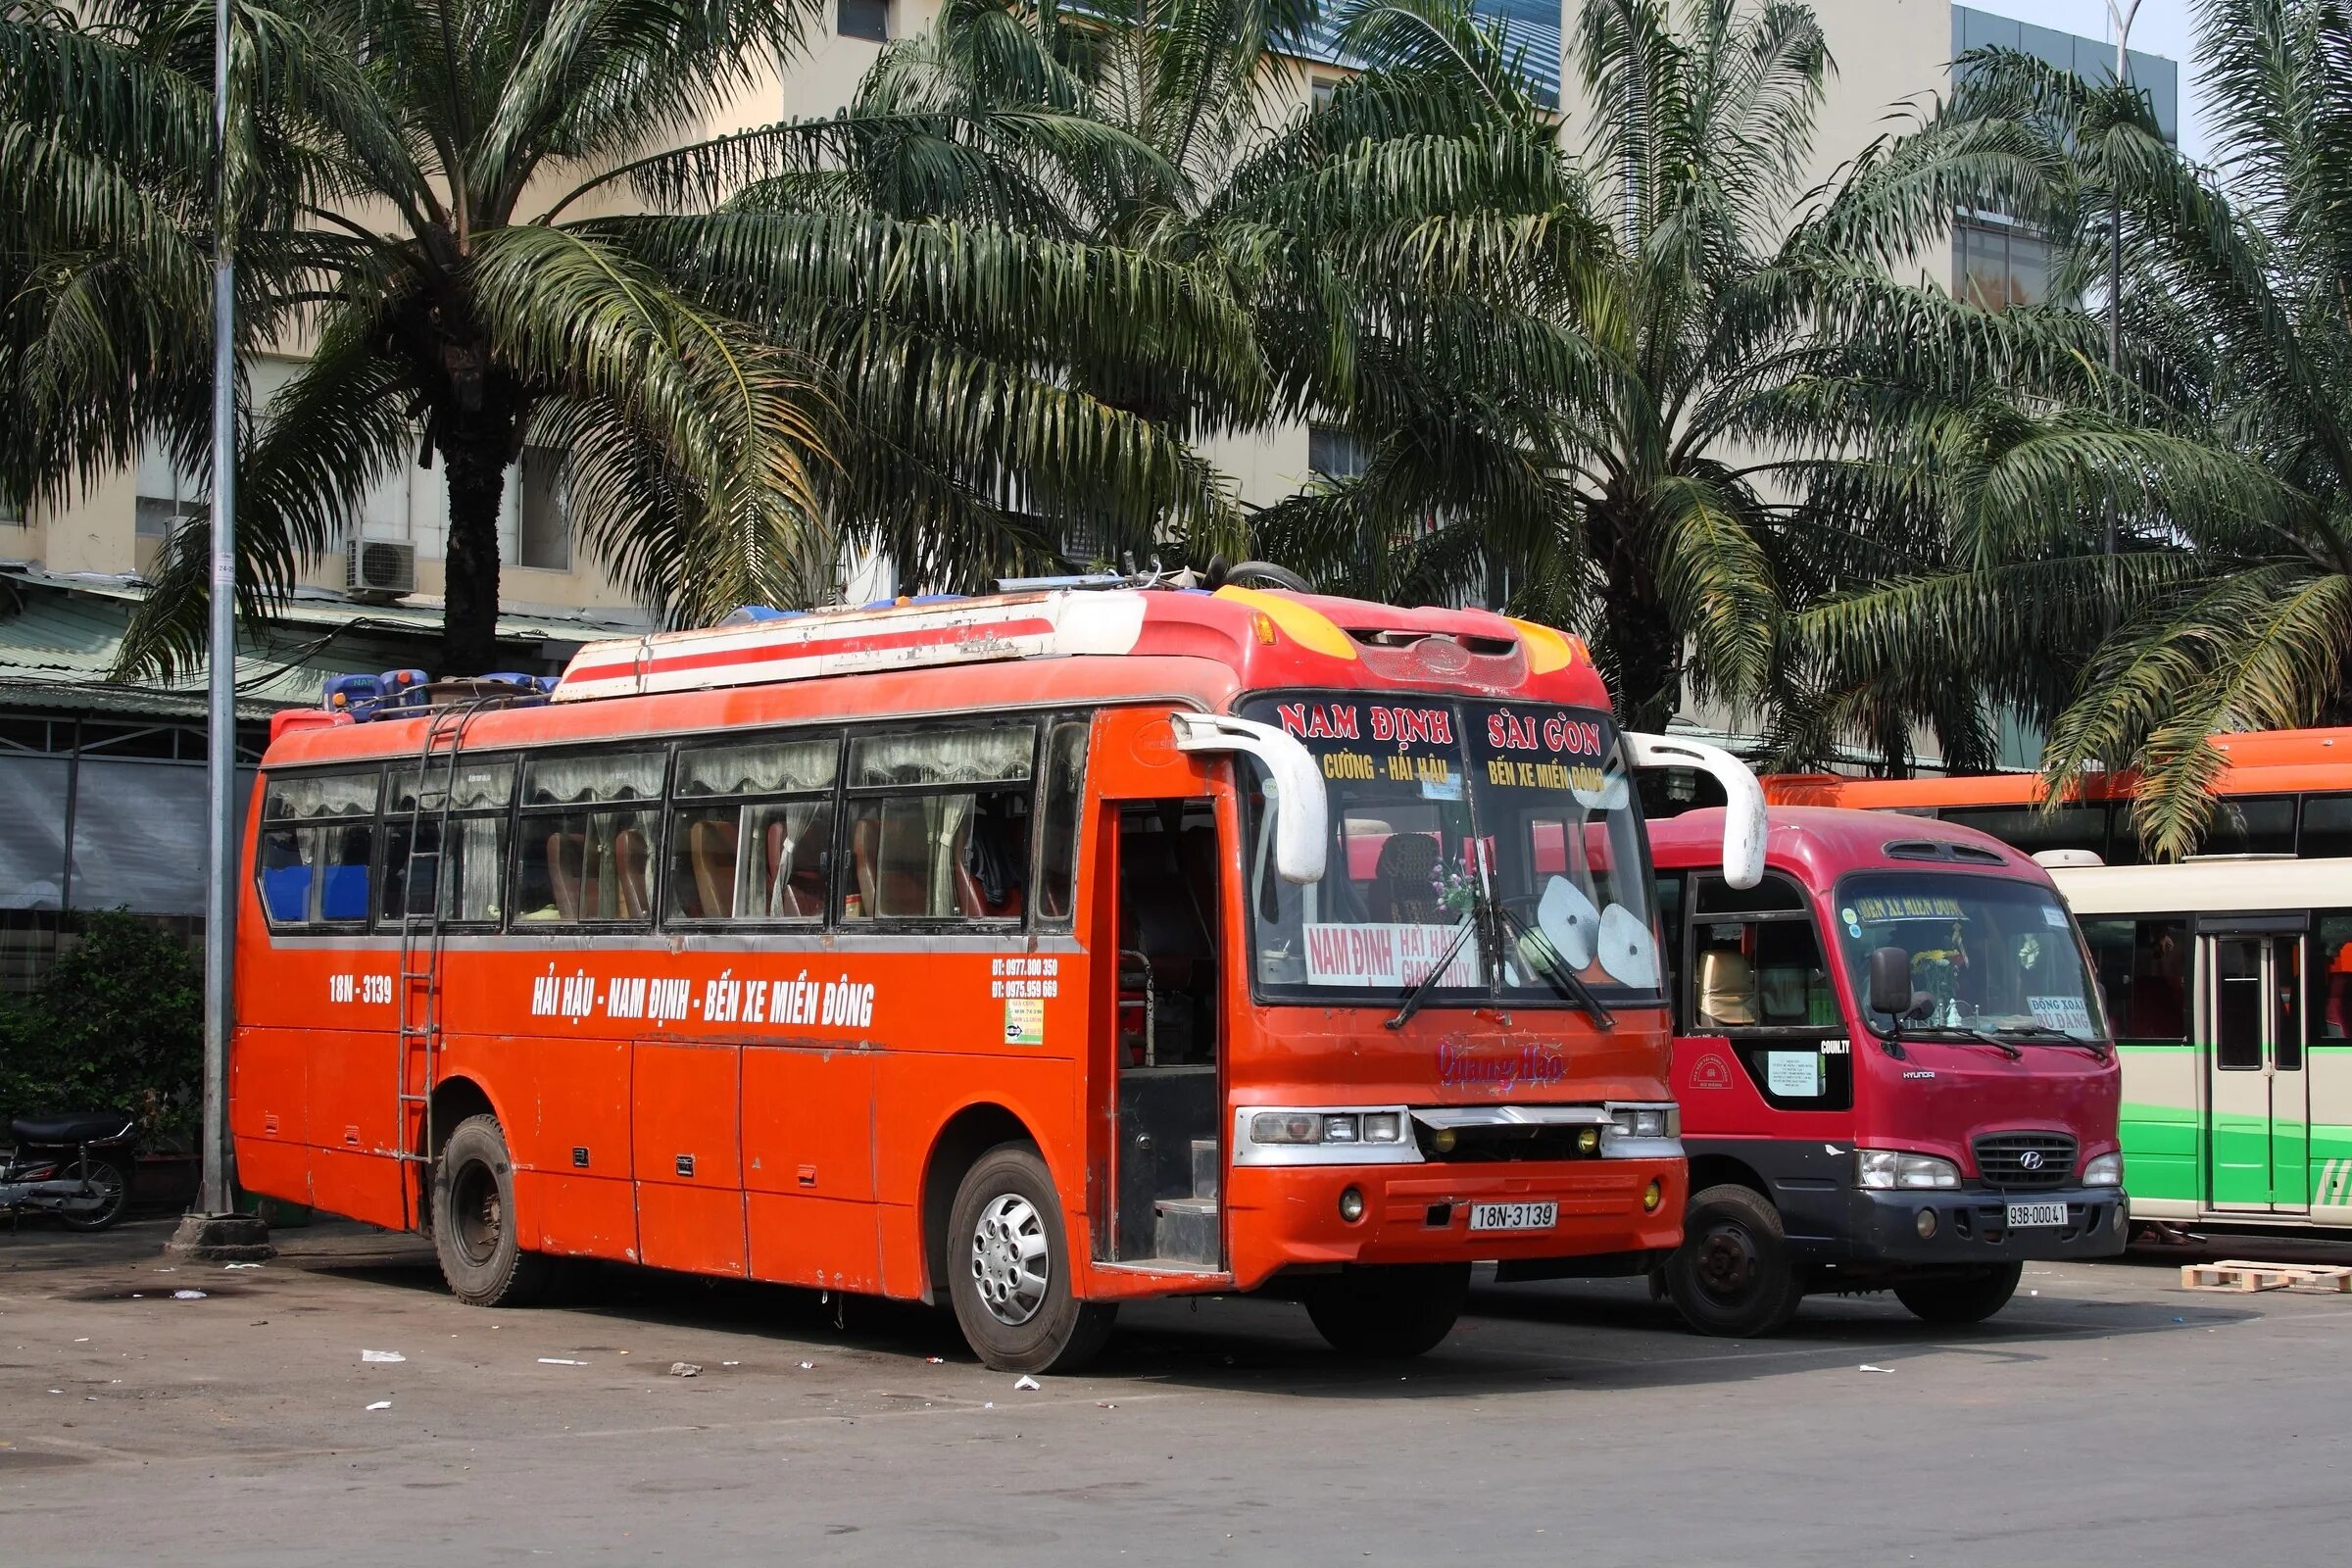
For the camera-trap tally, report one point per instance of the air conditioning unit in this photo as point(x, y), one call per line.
point(382, 568)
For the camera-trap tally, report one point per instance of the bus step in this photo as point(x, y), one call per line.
point(1204, 1168)
point(1186, 1229)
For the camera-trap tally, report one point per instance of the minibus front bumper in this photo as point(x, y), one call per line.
point(1974, 1225)
point(1293, 1217)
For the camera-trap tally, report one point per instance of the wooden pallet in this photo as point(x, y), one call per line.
point(2238, 1275)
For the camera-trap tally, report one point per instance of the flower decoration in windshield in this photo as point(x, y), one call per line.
point(1937, 972)
point(1449, 880)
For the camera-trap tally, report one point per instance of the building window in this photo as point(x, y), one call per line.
point(1323, 87)
point(1334, 451)
point(1996, 266)
point(543, 532)
point(11, 511)
point(862, 18)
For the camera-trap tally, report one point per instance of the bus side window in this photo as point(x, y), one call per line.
point(751, 831)
point(460, 879)
point(2142, 968)
point(318, 849)
point(1670, 921)
point(1760, 979)
point(1059, 809)
point(585, 836)
point(939, 824)
point(2330, 1007)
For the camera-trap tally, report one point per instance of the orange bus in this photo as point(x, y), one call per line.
point(1034, 952)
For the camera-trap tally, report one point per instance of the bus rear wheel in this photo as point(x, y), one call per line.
point(1734, 1276)
point(1008, 1269)
point(473, 1221)
point(1971, 1299)
point(1389, 1311)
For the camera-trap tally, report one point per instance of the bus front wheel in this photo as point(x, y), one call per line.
point(1734, 1276)
point(1971, 1299)
point(473, 1220)
point(1008, 1269)
point(1391, 1310)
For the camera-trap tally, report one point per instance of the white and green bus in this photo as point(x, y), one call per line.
point(2228, 985)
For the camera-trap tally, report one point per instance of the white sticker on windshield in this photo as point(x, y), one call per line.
point(2070, 1013)
point(1568, 920)
point(1382, 957)
point(2053, 916)
point(1442, 789)
point(1629, 953)
point(1795, 1073)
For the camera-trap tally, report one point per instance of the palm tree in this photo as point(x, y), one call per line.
point(2224, 448)
point(383, 168)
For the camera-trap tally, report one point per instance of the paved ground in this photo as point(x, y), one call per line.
point(2110, 1418)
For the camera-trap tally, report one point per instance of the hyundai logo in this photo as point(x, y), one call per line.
point(2030, 1159)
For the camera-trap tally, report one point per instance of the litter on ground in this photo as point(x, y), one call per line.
point(383, 1355)
point(559, 1361)
point(1028, 1384)
point(684, 1369)
point(381, 1404)
point(1867, 1368)
point(187, 1296)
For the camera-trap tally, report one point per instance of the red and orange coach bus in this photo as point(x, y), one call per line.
point(1036, 951)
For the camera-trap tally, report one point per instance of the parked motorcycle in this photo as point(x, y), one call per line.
point(75, 1167)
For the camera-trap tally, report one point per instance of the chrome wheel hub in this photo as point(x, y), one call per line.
point(1010, 1258)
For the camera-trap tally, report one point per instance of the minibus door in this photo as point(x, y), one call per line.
point(2252, 1008)
point(1157, 1067)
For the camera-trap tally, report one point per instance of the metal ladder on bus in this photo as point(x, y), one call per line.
point(421, 946)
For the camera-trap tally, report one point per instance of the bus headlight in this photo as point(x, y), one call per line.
point(1327, 1127)
point(1883, 1169)
point(1647, 1121)
point(2104, 1170)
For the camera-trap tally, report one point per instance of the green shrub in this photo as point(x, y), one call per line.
point(118, 1025)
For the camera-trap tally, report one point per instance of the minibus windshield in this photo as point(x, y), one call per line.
point(1434, 807)
point(1986, 954)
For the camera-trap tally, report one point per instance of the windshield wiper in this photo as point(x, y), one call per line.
point(2043, 1034)
point(1935, 1031)
point(1554, 964)
point(1428, 982)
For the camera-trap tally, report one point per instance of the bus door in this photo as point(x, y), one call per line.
point(2256, 1099)
point(1158, 964)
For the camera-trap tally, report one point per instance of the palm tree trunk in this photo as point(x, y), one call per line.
point(476, 470)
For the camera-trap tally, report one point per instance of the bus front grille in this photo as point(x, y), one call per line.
point(2026, 1161)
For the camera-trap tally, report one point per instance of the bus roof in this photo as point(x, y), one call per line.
point(1820, 843)
point(2258, 761)
point(990, 652)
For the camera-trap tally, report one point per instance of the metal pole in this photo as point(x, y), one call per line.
point(2121, 16)
point(220, 738)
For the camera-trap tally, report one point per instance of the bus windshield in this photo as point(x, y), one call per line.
point(1434, 806)
point(1988, 955)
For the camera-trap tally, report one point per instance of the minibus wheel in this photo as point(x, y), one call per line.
point(1008, 1269)
point(1733, 1275)
point(473, 1220)
point(1971, 1299)
point(1388, 1310)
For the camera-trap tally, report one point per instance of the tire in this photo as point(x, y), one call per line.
point(1972, 1299)
point(1387, 1311)
point(473, 1221)
point(113, 1181)
point(1733, 1275)
point(1008, 1269)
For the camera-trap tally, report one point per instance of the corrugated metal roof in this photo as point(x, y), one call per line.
point(1532, 25)
point(61, 634)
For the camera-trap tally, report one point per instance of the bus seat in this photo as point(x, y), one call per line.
point(710, 849)
point(286, 892)
point(343, 893)
point(802, 872)
point(630, 858)
point(1403, 884)
point(1166, 930)
point(1727, 985)
point(566, 853)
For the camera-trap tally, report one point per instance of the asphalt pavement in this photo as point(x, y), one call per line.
point(2107, 1417)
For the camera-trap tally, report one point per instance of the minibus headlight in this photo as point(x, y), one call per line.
point(1327, 1127)
point(2104, 1170)
point(1884, 1169)
point(1646, 1121)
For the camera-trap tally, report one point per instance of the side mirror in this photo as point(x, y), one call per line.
point(1889, 981)
point(1301, 820)
point(1742, 797)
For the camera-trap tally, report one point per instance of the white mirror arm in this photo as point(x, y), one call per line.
point(1743, 797)
point(1301, 821)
